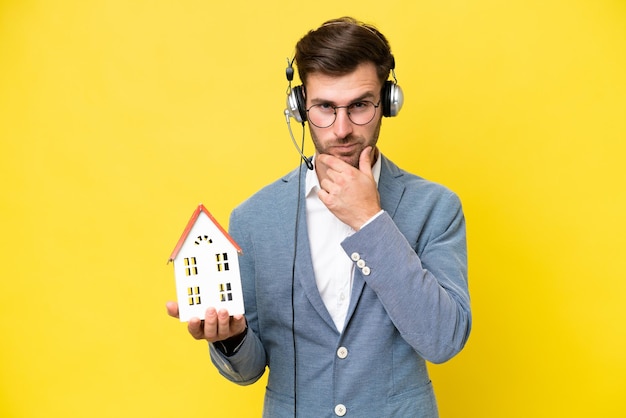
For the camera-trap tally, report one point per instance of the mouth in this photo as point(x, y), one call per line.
point(345, 149)
point(349, 153)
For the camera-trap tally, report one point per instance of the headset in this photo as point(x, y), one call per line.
point(391, 96)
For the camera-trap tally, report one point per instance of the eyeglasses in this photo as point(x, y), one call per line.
point(324, 115)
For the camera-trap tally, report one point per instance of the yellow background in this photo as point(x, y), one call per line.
point(118, 117)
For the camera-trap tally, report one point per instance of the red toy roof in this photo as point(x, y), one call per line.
point(190, 224)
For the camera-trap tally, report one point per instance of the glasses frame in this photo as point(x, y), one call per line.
point(347, 107)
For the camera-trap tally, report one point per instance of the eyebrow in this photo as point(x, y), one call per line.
point(364, 96)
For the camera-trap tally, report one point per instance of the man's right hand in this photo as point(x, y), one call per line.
point(216, 325)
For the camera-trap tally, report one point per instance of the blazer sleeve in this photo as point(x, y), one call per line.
point(421, 277)
point(244, 367)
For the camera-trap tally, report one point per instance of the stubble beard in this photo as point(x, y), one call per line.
point(353, 157)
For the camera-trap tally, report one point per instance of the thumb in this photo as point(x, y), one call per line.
point(365, 161)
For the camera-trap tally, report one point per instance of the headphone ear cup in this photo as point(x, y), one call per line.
point(296, 104)
point(392, 98)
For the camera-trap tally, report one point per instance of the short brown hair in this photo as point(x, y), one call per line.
point(340, 45)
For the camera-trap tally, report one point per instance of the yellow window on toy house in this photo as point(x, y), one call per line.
point(222, 261)
point(226, 293)
point(191, 266)
point(194, 295)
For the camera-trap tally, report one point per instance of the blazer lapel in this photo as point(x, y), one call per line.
point(389, 188)
point(304, 263)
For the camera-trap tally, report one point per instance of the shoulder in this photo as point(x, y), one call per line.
point(414, 188)
point(272, 198)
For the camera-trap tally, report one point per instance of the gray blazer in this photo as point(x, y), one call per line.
point(409, 303)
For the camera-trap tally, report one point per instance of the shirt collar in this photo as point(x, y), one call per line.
point(312, 183)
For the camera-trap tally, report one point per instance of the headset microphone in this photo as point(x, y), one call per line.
point(307, 161)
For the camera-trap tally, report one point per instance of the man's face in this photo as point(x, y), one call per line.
point(343, 139)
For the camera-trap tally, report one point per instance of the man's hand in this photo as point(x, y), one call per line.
point(216, 325)
point(349, 193)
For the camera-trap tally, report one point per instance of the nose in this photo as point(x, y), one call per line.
point(343, 125)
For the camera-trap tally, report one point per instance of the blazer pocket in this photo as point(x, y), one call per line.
point(414, 402)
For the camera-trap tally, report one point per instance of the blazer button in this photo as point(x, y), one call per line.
point(342, 352)
point(360, 264)
point(355, 257)
point(340, 410)
point(366, 271)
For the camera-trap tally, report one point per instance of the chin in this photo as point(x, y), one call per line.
point(353, 160)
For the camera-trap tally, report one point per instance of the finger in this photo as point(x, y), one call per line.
point(196, 328)
point(223, 324)
point(238, 324)
point(365, 161)
point(333, 163)
point(172, 309)
point(210, 325)
point(324, 196)
point(330, 185)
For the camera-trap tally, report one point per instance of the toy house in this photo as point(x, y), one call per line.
point(206, 268)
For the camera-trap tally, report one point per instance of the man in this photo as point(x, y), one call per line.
point(355, 272)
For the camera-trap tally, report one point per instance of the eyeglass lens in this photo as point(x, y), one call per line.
point(359, 113)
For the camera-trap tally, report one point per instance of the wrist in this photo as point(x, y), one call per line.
point(231, 345)
point(371, 219)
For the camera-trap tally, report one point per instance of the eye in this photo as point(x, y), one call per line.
point(325, 108)
point(359, 105)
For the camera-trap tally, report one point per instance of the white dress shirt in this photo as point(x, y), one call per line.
point(332, 266)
